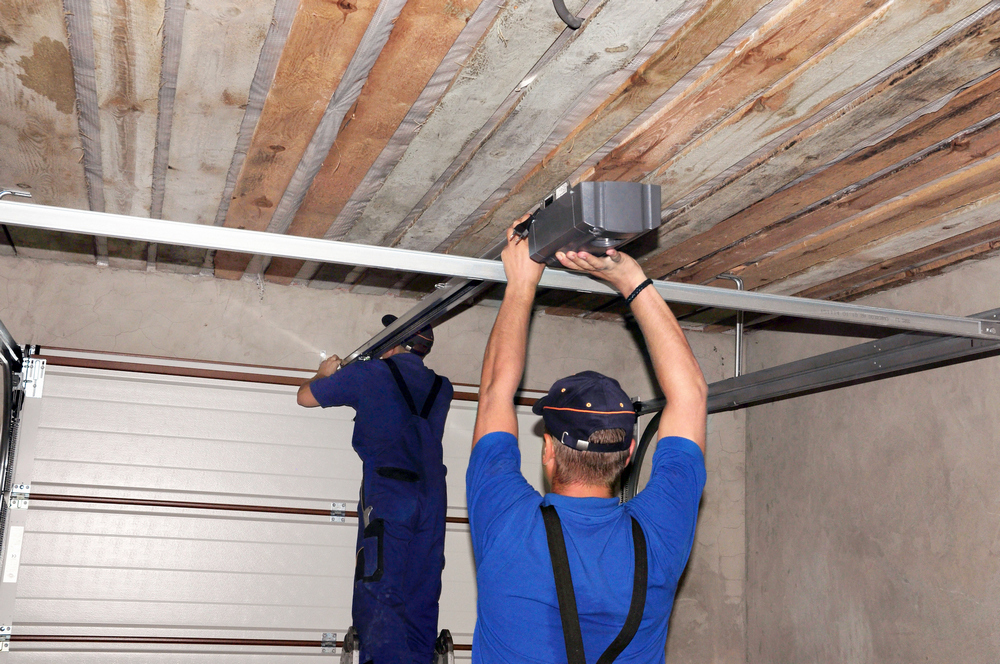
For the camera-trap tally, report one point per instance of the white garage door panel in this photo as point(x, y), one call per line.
point(114, 570)
point(273, 458)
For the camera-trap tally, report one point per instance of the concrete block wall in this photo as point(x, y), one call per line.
point(188, 316)
point(873, 512)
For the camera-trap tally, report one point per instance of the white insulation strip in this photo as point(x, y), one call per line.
point(846, 103)
point(80, 28)
point(173, 30)
point(354, 79)
point(267, 65)
point(587, 104)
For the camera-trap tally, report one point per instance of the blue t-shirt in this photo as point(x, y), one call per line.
point(518, 612)
point(382, 412)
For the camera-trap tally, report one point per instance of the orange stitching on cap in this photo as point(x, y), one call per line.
point(595, 412)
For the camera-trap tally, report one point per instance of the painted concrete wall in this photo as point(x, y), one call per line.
point(873, 512)
point(76, 306)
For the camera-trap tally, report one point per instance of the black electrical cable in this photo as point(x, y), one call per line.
point(573, 22)
point(630, 485)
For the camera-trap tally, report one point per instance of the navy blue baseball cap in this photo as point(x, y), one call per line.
point(419, 343)
point(579, 405)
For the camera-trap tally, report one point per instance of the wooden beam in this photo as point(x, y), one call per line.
point(220, 45)
point(322, 40)
point(954, 57)
point(518, 38)
point(955, 222)
point(911, 267)
point(608, 40)
point(127, 40)
point(904, 213)
point(722, 247)
point(421, 37)
point(948, 156)
point(782, 51)
point(699, 37)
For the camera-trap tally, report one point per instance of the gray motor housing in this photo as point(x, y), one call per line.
point(593, 217)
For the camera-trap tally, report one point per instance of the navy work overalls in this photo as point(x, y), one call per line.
point(401, 520)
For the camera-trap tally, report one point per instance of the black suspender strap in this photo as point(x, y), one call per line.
point(431, 397)
point(435, 388)
point(564, 587)
point(638, 598)
point(402, 385)
point(567, 597)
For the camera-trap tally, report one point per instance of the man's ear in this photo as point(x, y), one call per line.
point(548, 451)
point(631, 451)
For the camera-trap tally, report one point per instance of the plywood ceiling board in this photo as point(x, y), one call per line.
point(971, 106)
point(901, 90)
point(517, 39)
point(700, 36)
point(903, 213)
point(910, 267)
point(965, 219)
point(421, 37)
point(608, 41)
point(219, 51)
point(949, 156)
point(323, 38)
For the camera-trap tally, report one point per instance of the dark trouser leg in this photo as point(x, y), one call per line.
point(383, 576)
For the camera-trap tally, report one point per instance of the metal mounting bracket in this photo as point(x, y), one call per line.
point(33, 377)
point(5, 632)
point(338, 512)
point(19, 496)
point(328, 644)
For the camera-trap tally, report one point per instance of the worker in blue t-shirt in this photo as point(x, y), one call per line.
point(401, 409)
point(575, 575)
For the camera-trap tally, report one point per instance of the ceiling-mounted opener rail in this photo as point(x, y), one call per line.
point(592, 217)
point(425, 262)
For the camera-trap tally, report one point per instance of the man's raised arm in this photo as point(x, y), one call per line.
point(503, 362)
point(677, 370)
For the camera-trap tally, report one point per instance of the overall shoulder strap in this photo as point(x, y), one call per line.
point(572, 633)
point(564, 586)
point(402, 385)
point(639, 582)
point(431, 397)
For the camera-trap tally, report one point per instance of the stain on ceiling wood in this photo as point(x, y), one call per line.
point(825, 148)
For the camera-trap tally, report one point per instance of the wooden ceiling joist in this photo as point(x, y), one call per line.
point(904, 213)
point(952, 155)
point(953, 58)
point(725, 245)
point(609, 40)
point(414, 121)
point(692, 43)
point(381, 106)
point(340, 110)
point(220, 47)
point(911, 267)
point(852, 259)
point(519, 36)
point(320, 45)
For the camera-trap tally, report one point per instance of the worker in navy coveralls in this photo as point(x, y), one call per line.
point(587, 444)
point(401, 409)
